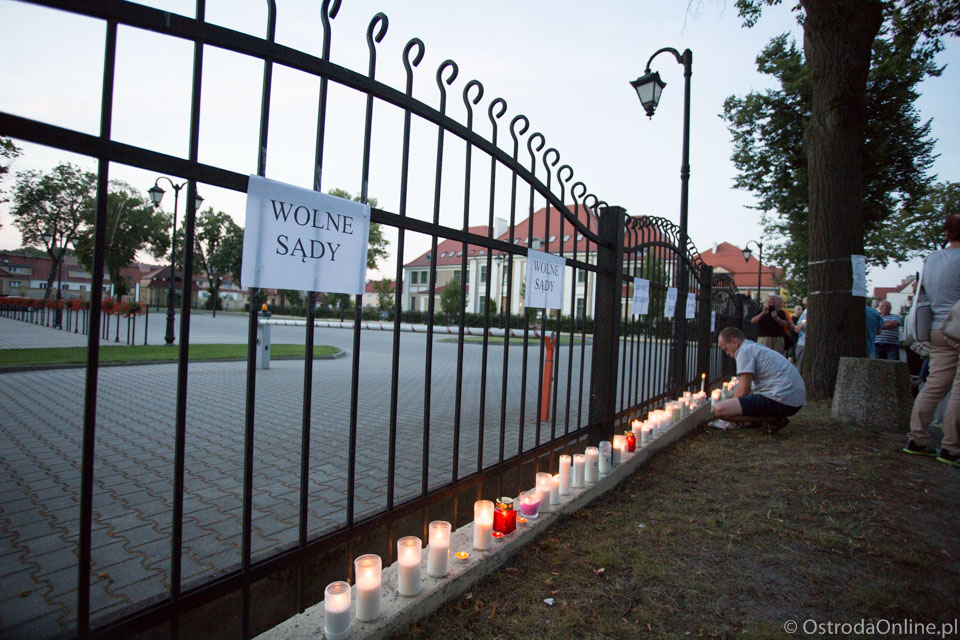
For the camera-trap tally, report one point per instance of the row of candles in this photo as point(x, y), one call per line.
point(491, 522)
point(725, 392)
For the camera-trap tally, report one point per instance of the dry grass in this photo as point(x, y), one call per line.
point(730, 534)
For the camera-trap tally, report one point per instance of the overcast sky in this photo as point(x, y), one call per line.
point(565, 65)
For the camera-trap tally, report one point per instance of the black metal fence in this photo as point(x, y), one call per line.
point(497, 420)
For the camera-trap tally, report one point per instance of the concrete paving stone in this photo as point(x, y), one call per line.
point(39, 529)
point(22, 608)
point(18, 519)
point(112, 509)
point(46, 544)
point(225, 561)
point(11, 565)
point(44, 626)
point(155, 553)
point(141, 592)
point(124, 572)
point(202, 545)
point(55, 560)
point(146, 532)
point(107, 554)
point(16, 506)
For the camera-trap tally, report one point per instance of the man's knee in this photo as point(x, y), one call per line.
point(727, 408)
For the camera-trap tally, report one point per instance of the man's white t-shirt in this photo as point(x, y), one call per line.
point(774, 376)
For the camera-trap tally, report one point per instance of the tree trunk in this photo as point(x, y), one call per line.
point(837, 40)
point(51, 276)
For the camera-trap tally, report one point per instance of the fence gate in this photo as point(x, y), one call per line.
point(251, 509)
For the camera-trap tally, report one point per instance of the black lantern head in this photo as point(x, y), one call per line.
point(649, 86)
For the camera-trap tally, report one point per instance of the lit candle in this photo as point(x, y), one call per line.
point(619, 445)
point(630, 438)
point(529, 504)
point(504, 518)
point(336, 610)
point(638, 431)
point(521, 520)
point(675, 408)
point(462, 556)
point(555, 490)
point(482, 524)
point(408, 565)
point(591, 467)
point(645, 434)
point(438, 551)
point(497, 536)
point(703, 382)
point(715, 397)
point(606, 457)
point(578, 466)
point(544, 482)
point(367, 570)
point(564, 474)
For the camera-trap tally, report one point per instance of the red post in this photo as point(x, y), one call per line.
point(547, 380)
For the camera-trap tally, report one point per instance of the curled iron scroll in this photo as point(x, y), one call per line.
point(329, 12)
point(409, 64)
point(533, 152)
point(516, 134)
point(454, 72)
point(380, 22)
point(468, 101)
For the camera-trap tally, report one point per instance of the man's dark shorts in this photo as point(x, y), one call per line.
point(757, 406)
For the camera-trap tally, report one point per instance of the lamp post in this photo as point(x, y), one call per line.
point(52, 242)
point(747, 252)
point(156, 195)
point(649, 87)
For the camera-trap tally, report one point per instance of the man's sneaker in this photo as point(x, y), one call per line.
point(917, 450)
point(949, 458)
point(774, 425)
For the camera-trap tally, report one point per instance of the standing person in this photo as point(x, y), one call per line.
point(888, 340)
point(801, 330)
point(874, 323)
point(771, 322)
point(941, 287)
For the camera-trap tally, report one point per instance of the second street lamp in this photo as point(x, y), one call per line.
point(52, 242)
point(156, 195)
point(747, 252)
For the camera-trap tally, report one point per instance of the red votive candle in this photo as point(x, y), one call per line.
point(631, 439)
point(504, 517)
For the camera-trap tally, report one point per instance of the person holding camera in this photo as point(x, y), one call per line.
point(772, 323)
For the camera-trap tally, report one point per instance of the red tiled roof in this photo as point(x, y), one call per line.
point(729, 257)
point(368, 288)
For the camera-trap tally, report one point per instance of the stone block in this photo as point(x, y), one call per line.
point(873, 393)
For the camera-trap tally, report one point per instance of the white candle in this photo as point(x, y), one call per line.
point(555, 490)
point(591, 467)
point(438, 551)
point(579, 462)
point(606, 457)
point(703, 382)
point(544, 482)
point(638, 431)
point(482, 524)
point(336, 610)
point(367, 570)
point(714, 397)
point(408, 565)
point(619, 445)
point(564, 475)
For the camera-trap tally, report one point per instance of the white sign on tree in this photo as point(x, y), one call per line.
point(304, 240)
point(544, 280)
point(691, 305)
point(859, 266)
point(641, 296)
point(671, 304)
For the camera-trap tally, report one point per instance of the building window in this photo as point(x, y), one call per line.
point(413, 277)
point(581, 307)
point(14, 284)
point(483, 273)
point(456, 275)
point(581, 275)
point(43, 285)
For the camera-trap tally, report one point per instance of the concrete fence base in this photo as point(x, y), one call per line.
point(398, 612)
point(873, 393)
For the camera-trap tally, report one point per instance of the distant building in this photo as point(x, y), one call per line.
point(727, 258)
point(370, 296)
point(900, 297)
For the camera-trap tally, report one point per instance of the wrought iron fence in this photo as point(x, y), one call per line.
point(490, 430)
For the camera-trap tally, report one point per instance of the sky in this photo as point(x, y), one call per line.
point(565, 65)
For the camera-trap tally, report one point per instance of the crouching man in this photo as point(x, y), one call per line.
point(770, 388)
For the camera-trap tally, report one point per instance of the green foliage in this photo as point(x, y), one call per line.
point(377, 247)
point(52, 203)
point(8, 153)
point(450, 301)
point(218, 248)
point(385, 294)
point(768, 139)
point(923, 225)
point(133, 224)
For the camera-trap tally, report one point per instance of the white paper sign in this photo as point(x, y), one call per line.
point(641, 297)
point(713, 321)
point(671, 304)
point(691, 305)
point(544, 280)
point(859, 265)
point(304, 240)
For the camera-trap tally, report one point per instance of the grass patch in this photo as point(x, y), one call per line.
point(149, 353)
point(740, 532)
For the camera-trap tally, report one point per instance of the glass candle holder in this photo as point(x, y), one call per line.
point(504, 518)
point(631, 439)
point(544, 482)
point(579, 461)
point(367, 569)
point(482, 524)
point(565, 464)
point(606, 457)
point(438, 549)
point(409, 551)
point(619, 444)
point(336, 610)
point(555, 490)
point(591, 467)
point(530, 504)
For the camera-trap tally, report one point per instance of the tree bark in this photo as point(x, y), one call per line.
point(838, 37)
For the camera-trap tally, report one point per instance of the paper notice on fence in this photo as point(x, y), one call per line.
point(544, 280)
point(671, 304)
point(713, 321)
point(691, 306)
point(641, 297)
point(859, 265)
point(304, 240)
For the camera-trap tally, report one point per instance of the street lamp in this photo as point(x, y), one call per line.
point(156, 194)
point(51, 242)
point(747, 252)
point(649, 87)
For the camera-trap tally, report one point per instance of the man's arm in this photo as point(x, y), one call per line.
point(755, 319)
point(743, 385)
point(891, 324)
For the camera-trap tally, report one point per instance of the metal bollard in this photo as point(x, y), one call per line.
point(263, 346)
